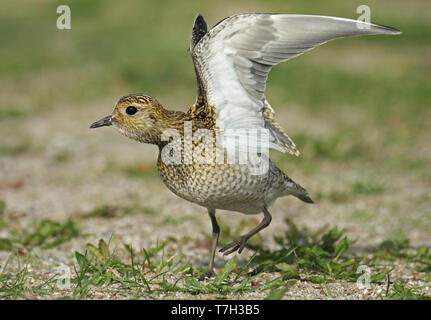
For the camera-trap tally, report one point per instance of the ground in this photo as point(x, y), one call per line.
point(88, 205)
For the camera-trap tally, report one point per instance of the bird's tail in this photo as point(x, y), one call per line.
point(292, 188)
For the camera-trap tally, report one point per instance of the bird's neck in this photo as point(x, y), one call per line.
point(167, 124)
point(170, 125)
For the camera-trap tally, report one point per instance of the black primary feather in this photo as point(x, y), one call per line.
point(199, 30)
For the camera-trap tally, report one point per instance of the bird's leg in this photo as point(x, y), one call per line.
point(239, 244)
point(215, 235)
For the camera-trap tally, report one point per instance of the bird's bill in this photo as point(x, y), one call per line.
point(107, 121)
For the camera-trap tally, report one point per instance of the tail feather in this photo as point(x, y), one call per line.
point(292, 188)
point(305, 198)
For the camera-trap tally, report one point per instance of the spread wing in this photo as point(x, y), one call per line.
point(199, 30)
point(233, 59)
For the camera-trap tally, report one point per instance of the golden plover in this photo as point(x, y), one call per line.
point(216, 154)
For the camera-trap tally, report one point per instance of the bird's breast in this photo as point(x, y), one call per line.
point(220, 186)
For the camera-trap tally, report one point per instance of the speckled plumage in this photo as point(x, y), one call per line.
point(218, 186)
point(232, 62)
point(228, 186)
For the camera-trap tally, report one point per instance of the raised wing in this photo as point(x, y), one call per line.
point(233, 59)
point(199, 30)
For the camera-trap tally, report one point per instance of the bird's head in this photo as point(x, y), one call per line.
point(136, 116)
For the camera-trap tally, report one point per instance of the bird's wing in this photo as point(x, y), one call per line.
point(233, 59)
point(199, 30)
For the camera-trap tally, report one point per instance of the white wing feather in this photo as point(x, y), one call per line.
point(234, 58)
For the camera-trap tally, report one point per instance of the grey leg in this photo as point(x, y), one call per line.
point(240, 243)
point(215, 235)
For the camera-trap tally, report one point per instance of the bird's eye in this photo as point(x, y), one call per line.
point(131, 110)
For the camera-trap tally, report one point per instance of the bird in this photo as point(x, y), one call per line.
point(216, 153)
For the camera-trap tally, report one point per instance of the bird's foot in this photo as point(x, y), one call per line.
point(238, 244)
point(207, 275)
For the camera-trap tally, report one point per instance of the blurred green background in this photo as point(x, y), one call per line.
point(120, 47)
point(358, 106)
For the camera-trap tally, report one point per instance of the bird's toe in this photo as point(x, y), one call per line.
point(236, 245)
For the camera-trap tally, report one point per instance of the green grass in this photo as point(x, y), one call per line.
point(354, 191)
point(49, 234)
point(108, 212)
point(10, 113)
point(22, 283)
point(144, 53)
point(322, 256)
point(15, 148)
point(142, 170)
point(45, 234)
point(148, 277)
point(2, 207)
point(403, 293)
